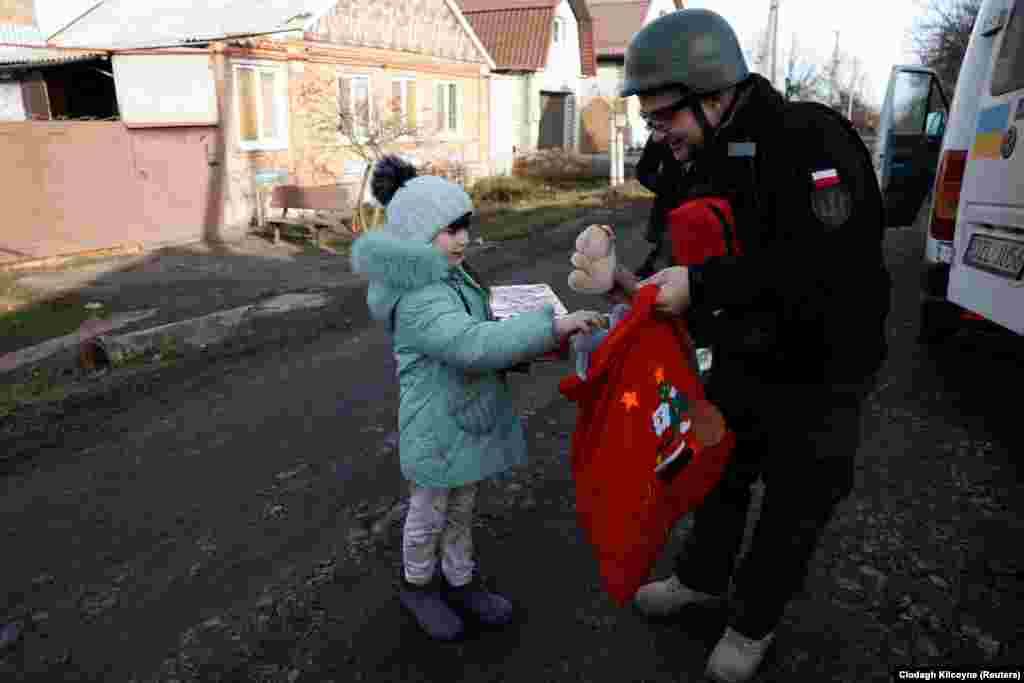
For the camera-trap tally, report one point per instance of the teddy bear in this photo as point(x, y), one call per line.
point(594, 260)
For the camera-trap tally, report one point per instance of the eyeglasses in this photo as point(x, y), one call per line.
point(660, 119)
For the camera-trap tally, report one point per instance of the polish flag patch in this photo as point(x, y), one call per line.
point(826, 178)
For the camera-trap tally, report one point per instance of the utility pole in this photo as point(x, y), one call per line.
point(834, 85)
point(773, 38)
point(854, 79)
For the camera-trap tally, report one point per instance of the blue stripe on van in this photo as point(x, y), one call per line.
point(994, 119)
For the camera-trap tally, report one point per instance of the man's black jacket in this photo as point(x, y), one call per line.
point(808, 299)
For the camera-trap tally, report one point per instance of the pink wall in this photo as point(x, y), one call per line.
point(67, 187)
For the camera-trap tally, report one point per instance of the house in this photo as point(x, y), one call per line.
point(545, 51)
point(206, 105)
point(17, 28)
point(615, 24)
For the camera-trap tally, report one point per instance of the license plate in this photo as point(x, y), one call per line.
point(995, 255)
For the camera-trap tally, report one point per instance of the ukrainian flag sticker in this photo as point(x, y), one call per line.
point(991, 127)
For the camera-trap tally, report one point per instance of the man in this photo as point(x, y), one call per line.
point(796, 324)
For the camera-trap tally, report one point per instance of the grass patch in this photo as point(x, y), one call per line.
point(507, 188)
point(40, 387)
point(38, 320)
point(512, 223)
point(548, 204)
point(341, 245)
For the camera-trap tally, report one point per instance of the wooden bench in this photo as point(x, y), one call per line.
point(335, 198)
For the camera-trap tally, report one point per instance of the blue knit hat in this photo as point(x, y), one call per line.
point(418, 207)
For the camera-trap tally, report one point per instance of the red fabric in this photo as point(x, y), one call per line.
point(627, 421)
point(698, 234)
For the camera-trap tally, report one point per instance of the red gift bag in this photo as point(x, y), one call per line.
point(648, 447)
point(702, 228)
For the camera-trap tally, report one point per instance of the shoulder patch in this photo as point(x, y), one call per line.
point(831, 200)
point(743, 149)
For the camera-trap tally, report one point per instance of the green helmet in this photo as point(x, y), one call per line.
point(693, 48)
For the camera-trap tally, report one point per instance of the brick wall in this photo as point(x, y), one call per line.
point(425, 27)
point(318, 154)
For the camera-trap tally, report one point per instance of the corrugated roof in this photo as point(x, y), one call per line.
point(517, 39)
point(15, 50)
point(138, 23)
point(517, 33)
point(495, 5)
point(588, 56)
point(615, 24)
point(42, 56)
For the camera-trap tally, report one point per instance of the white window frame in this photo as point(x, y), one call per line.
point(406, 83)
point(458, 129)
point(280, 104)
point(558, 31)
point(352, 78)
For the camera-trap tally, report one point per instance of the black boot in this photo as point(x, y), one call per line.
point(489, 608)
point(431, 612)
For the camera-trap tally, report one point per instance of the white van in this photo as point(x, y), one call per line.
point(974, 256)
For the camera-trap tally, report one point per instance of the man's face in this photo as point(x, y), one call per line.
point(675, 125)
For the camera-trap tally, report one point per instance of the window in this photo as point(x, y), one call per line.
point(354, 100)
point(403, 101)
point(910, 101)
point(935, 121)
point(1009, 70)
point(262, 104)
point(446, 107)
point(558, 32)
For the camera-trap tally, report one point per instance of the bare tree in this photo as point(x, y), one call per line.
point(805, 79)
point(370, 132)
point(757, 47)
point(939, 37)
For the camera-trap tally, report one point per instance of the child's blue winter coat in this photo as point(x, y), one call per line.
point(456, 418)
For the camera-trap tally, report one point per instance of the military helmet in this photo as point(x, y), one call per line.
point(695, 49)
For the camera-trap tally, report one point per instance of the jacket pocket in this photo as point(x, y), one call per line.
point(473, 402)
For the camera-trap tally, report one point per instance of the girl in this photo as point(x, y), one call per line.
point(456, 419)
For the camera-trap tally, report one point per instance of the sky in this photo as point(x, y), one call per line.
point(52, 15)
point(872, 30)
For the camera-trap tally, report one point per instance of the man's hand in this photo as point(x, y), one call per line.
point(674, 296)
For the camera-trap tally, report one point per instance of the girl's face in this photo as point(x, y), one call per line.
point(452, 241)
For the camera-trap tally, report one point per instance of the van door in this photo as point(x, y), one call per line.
point(989, 243)
point(910, 136)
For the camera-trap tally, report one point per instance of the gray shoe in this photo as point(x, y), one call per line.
point(664, 598)
point(736, 658)
point(431, 612)
point(490, 608)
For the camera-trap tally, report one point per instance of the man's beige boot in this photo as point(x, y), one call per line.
point(736, 658)
point(663, 598)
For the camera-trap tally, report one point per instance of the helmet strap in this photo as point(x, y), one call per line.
point(705, 126)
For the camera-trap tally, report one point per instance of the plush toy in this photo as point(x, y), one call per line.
point(594, 260)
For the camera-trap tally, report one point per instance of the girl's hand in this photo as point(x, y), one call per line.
point(581, 321)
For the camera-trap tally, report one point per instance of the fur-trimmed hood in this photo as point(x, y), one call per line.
point(395, 267)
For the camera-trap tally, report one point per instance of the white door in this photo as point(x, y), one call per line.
point(988, 264)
